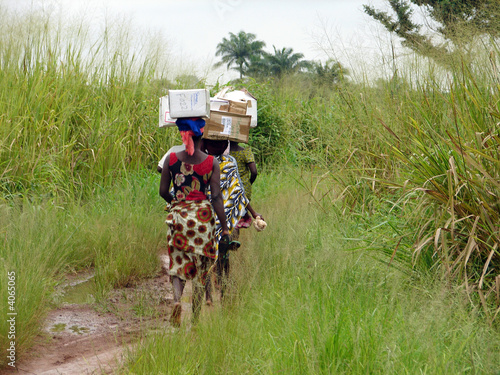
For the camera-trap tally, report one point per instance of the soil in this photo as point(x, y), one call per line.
point(94, 338)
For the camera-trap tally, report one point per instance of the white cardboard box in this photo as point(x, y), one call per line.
point(165, 119)
point(216, 103)
point(189, 103)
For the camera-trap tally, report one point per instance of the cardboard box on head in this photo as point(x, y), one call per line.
point(165, 119)
point(228, 120)
point(189, 103)
point(241, 96)
point(235, 107)
point(227, 125)
point(225, 118)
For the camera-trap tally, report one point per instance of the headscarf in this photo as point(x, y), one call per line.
point(189, 128)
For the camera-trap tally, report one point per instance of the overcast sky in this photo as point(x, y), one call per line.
point(319, 29)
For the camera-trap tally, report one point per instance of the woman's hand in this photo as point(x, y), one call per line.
point(258, 215)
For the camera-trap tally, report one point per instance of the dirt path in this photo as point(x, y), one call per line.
point(89, 338)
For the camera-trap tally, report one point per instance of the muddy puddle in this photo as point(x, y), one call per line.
point(80, 291)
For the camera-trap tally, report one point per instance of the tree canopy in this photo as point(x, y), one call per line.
point(330, 73)
point(238, 50)
point(285, 61)
point(453, 17)
point(244, 53)
point(281, 62)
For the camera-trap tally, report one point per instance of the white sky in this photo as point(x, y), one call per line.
point(319, 29)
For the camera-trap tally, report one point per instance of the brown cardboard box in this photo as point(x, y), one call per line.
point(226, 125)
point(235, 107)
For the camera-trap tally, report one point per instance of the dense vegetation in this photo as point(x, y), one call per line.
point(306, 303)
point(409, 164)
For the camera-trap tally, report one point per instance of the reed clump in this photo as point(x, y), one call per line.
point(422, 145)
point(452, 161)
point(78, 109)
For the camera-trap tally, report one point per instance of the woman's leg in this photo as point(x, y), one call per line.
point(178, 284)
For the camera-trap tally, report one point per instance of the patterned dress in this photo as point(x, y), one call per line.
point(191, 221)
point(243, 158)
point(233, 193)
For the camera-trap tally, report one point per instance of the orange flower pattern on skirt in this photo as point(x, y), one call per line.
point(189, 266)
point(191, 235)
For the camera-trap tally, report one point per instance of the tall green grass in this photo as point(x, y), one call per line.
point(409, 164)
point(447, 143)
point(304, 303)
point(117, 234)
point(423, 143)
point(78, 108)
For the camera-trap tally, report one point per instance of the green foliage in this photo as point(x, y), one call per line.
point(70, 121)
point(424, 149)
point(302, 303)
point(239, 50)
point(281, 63)
point(329, 74)
point(458, 22)
point(117, 233)
point(251, 60)
point(458, 171)
point(440, 151)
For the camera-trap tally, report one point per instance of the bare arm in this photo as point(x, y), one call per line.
point(217, 201)
point(253, 171)
point(253, 212)
point(165, 181)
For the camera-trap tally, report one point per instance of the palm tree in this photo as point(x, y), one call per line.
point(284, 61)
point(238, 50)
point(258, 67)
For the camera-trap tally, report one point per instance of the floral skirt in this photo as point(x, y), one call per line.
point(189, 266)
point(191, 236)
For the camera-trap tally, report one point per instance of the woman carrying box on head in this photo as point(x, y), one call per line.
point(235, 201)
point(191, 220)
point(235, 204)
